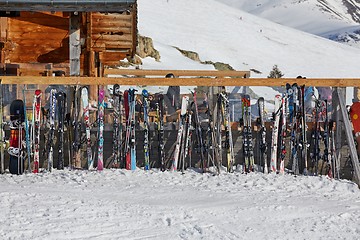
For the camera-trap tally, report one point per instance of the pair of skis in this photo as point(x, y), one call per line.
point(291, 104)
point(249, 162)
point(223, 109)
point(130, 147)
point(86, 116)
point(181, 140)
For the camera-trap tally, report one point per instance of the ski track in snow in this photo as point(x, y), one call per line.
point(120, 204)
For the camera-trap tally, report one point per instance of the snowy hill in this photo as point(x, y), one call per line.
point(222, 33)
point(333, 19)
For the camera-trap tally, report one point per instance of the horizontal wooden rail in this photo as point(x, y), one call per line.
point(147, 81)
point(178, 73)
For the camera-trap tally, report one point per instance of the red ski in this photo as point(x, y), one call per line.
point(36, 124)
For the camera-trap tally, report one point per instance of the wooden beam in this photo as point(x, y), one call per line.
point(148, 81)
point(177, 73)
point(349, 134)
point(74, 44)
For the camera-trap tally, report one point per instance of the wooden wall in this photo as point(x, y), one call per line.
point(43, 37)
point(37, 38)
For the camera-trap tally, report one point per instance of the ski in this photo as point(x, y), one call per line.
point(52, 129)
point(132, 103)
point(283, 130)
point(86, 115)
point(335, 158)
point(211, 148)
point(101, 106)
point(275, 134)
point(61, 101)
point(117, 126)
point(27, 133)
point(199, 135)
point(188, 139)
point(77, 130)
point(327, 158)
point(160, 130)
point(303, 127)
point(223, 104)
point(36, 128)
point(146, 106)
point(262, 135)
point(180, 137)
point(315, 154)
point(292, 92)
point(247, 135)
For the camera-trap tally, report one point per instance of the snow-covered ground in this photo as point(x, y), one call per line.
point(120, 204)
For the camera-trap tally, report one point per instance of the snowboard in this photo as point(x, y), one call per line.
point(16, 164)
point(355, 119)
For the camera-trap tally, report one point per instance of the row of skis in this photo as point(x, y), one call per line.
point(212, 138)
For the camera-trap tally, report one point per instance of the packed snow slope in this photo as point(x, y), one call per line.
point(120, 204)
point(222, 33)
point(333, 19)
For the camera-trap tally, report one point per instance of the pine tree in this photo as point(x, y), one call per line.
point(275, 72)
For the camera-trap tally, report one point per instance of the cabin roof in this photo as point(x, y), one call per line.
point(66, 5)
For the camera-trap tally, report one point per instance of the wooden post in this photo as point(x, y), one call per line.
point(345, 121)
point(75, 45)
point(356, 94)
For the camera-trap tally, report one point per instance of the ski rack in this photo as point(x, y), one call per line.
point(210, 78)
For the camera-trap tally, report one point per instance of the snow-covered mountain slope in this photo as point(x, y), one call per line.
point(226, 34)
point(333, 19)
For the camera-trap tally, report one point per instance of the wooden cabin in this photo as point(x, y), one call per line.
point(77, 38)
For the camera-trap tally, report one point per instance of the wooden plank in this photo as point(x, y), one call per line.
point(111, 38)
point(112, 44)
point(105, 46)
point(210, 73)
point(19, 37)
point(3, 28)
point(111, 24)
point(25, 28)
point(37, 44)
point(111, 29)
point(179, 81)
point(25, 14)
point(54, 22)
point(74, 44)
point(111, 17)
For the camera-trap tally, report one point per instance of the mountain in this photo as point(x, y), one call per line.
point(222, 33)
point(332, 19)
